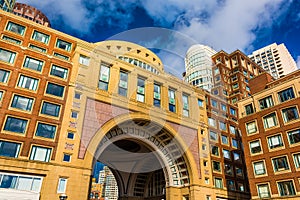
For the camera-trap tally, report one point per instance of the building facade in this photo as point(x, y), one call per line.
point(7, 5)
point(275, 59)
point(198, 66)
point(269, 123)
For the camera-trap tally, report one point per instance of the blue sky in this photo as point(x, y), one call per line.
point(169, 27)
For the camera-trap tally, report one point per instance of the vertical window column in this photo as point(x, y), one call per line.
point(123, 83)
point(156, 95)
point(172, 102)
point(104, 77)
point(185, 104)
point(140, 96)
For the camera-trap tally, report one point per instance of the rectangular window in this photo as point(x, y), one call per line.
point(15, 125)
point(84, 60)
point(63, 45)
point(140, 93)
point(50, 109)
point(67, 157)
point(123, 83)
point(259, 168)
point(239, 171)
point(22, 103)
point(297, 160)
point(255, 147)
point(172, 102)
point(233, 111)
point(214, 103)
point(286, 94)
point(212, 122)
point(280, 164)
point(58, 55)
point(7, 56)
point(15, 28)
point(33, 64)
point(222, 126)
point(200, 102)
point(236, 156)
point(218, 183)
point(70, 135)
point(36, 48)
point(226, 154)
point(54, 89)
point(213, 135)
point(294, 136)
point(249, 109)
point(225, 139)
point(270, 120)
point(251, 127)
point(4, 76)
point(20, 182)
point(286, 188)
point(9, 149)
point(263, 191)
point(266, 102)
point(1, 95)
point(41, 37)
point(234, 143)
point(235, 86)
point(275, 141)
point(74, 114)
point(223, 107)
point(290, 114)
point(77, 95)
point(28, 83)
point(59, 72)
point(156, 95)
point(13, 40)
point(62, 184)
point(45, 130)
point(185, 102)
point(40, 153)
point(104, 77)
point(216, 166)
point(232, 129)
point(215, 150)
point(230, 185)
point(228, 169)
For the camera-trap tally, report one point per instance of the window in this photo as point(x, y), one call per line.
point(200, 102)
point(63, 45)
point(84, 60)
point(230, 185)
point(232, 129)
point(74, 114)
point(9, 39)
point(249, 109)
point(15, 28)
point(222, 126)
point(218, 183)
point(216, 71)
point(234, 143)
point(286, 188)
point(225, 139)
point(15, 125)
point(263, 191)
point(59, 72)
point(40, 153)
point(20, 182)
point(28, 83)
point(213, 135)
point(275, 141)
point(54, 89)
point(36, 48)
point(62, 184)
point(290, 114)
point(1, 95)
point(259, 168)
point(123, 83)
point(45, 130)
point(266, 102)
point(255, 147)
point(9, 149)
point(235, 86)
point(294, 136)
point(7, 56)
point(70, 135)
point(270, 120)
point(22, 103)
point(215, 150)
point(140, 96)
point(223, 107)
point(41, 37)
point(286, 94)
point(185, 102)
point(58, 55)
point(233, 111)
point(77, 95)
point(251, 127)
point(67, 157)
point(156, 95)
point(214, 103)
point(226, 154)
point(50, 109)
point(33, 64)
point(216, 166)
point(236, 156)
point(238, 171)
point(4, 76)
point(172, 103)
point(280, 164)
point(104, 77)
point(212, 122)
point(241, 187)
point(297, 160)
point(228, 169)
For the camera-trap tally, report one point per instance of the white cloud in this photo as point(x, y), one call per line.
point(298, 62)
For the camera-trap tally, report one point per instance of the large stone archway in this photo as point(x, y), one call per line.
point(145, 159)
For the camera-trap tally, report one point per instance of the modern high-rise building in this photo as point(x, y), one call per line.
point(269, 122)
point(275, 59)
point(198, 66)
point(7, 5)
point(109, 184)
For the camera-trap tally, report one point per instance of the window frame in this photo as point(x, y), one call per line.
point(289, 98)
point(281, 170)
point(47, 156)
point(265, 172)
point(268, 187)
point(34, 37)
point(277, 147)
point(17, 150)
point(45, 123)
point(42, 108)
point(250, 148)
point(266, 117)
point(279, 189)
point(29, 104)
point(27, 62)
point(10, 24)
point(295, 112)
point(25, 127)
